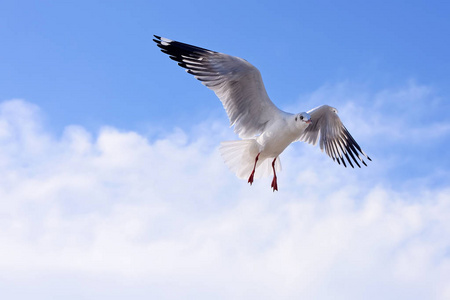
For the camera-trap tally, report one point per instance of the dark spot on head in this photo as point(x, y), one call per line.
point(295, 118)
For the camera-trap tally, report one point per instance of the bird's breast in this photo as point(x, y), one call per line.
point(272, 143)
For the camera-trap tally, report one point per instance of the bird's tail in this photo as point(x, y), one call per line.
point(240, 156)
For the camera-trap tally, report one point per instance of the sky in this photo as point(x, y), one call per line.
point(112, 182)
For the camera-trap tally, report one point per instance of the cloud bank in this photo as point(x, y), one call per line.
point(116, 214)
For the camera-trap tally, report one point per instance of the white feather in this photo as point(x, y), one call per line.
point(240, 156)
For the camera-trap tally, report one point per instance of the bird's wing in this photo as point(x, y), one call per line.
point(236, 82)
point(334, 137)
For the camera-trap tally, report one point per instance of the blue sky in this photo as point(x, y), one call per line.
point(94, 62)
point(113, 187)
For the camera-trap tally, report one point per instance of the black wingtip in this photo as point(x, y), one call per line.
point(348, 159)
point(343, 162)
point(157, 40)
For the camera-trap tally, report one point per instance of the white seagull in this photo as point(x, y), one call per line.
point(264, 129)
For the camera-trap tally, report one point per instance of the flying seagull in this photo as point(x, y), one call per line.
point(264, 129)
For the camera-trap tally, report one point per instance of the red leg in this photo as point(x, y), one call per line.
point(250, 179)
point(274, 181)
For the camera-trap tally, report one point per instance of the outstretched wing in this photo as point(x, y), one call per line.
point(236, 82)
point(334, 137)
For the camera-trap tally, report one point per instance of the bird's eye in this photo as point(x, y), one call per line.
point(301, 117)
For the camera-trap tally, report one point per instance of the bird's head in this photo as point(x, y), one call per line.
point(302, 119)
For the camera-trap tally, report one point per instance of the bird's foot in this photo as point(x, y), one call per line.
point(274, 185)
point(250, 179)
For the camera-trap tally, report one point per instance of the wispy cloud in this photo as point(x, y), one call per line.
point(411, 112)
point(115, 214)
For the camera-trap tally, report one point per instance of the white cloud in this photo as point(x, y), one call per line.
point(115, 215)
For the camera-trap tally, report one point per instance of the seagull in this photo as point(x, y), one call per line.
point(264, 129)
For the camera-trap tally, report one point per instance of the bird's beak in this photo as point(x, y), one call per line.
point(309, 121)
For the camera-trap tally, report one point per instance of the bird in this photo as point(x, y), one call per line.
point(265, 131)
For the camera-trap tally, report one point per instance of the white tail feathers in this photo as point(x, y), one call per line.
point(240, 156)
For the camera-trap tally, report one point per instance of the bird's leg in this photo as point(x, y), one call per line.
point(250, 179)
point(274, 181)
